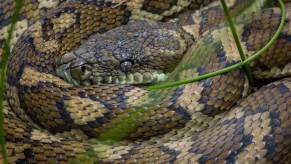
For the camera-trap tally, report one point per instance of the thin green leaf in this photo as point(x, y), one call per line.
point(5, 54)
point(246, 67)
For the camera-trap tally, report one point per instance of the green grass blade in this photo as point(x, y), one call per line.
point(246, 67)
point(3, 65)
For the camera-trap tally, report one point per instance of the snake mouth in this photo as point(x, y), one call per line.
point(129, 78)
point(92, 78)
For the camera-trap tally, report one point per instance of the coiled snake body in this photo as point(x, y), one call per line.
point(65, 89)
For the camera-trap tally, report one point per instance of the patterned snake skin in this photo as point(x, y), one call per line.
point(75, 91)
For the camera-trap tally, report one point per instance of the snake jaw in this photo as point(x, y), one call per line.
point(89, 78)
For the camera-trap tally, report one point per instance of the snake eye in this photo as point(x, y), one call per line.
point(126, 65)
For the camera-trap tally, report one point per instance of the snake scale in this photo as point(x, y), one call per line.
point(78, 69)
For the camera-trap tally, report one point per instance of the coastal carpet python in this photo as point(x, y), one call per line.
point(78, 71)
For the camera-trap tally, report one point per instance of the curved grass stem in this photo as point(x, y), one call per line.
point(235, 66)
point(246, 67)
point(3, 65)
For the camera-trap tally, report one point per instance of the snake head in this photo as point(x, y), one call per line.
point(137, 53)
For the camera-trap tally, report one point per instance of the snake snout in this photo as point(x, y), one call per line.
point(74, 70)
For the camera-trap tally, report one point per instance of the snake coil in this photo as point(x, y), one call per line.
point(78, 71)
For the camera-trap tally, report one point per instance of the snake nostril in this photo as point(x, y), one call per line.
point(83, 68)
point(126, 65)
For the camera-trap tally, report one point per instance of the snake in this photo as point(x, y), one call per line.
point(77, 77)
